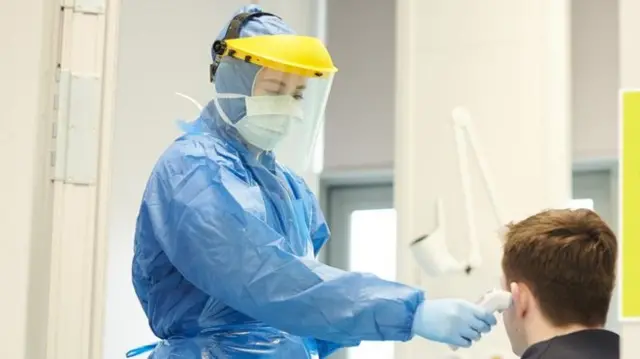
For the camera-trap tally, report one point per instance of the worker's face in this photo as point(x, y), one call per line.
point(514, 318)
point(270, 82)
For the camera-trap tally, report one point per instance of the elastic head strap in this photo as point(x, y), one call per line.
point(233, 32)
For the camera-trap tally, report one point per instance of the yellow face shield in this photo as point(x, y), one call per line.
point(293, 83)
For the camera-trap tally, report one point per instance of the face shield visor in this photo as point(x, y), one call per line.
point(285, 111)
point(292, 107)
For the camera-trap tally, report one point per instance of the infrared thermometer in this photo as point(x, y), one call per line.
point(494, 301)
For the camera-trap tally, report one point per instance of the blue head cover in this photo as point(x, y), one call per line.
point(237, 77)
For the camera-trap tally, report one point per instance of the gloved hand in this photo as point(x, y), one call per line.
point(452, 321)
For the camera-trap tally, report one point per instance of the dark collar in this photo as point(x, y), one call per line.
point(583, 344)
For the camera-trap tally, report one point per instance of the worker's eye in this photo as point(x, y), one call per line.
point(298, 97)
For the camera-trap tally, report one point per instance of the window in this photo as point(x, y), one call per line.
point(372, 249)
point(581, 203)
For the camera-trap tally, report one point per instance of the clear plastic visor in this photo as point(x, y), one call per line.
point(310, 97)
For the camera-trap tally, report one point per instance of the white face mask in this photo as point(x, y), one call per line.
point(268, 118)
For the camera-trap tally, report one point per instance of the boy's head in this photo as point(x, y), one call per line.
point(560, 267)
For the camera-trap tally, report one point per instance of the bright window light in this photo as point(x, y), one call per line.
point(372, 249)
point(586, 203)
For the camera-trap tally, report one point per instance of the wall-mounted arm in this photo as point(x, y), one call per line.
point(465, 123)
point(475, 259)
point(431, 250)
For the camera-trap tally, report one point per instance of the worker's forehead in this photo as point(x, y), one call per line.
point(274, 81)
point(268, 75)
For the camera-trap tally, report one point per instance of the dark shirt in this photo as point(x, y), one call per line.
point(585, 344)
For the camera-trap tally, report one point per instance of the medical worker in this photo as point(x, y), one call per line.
point(226, 238)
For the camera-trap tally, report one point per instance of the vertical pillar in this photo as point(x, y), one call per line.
point(629, 46)
point(80, 174)
point(629, 79)
point(26, 73)
point(508, 63)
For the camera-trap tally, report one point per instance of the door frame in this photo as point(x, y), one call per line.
point(356, 178)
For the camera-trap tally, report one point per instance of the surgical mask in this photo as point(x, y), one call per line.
point(268, 118)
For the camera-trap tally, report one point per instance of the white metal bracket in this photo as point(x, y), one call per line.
point(430, 250)
point(462, 122)
point(86, 6)
point(77, 130)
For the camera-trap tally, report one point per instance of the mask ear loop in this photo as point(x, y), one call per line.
point(190, 99)
point(216, 102)
point(182, 124)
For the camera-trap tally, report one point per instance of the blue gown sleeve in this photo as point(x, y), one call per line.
point(320, 234)
point(205, 220)
point(325, 348)
point(319, 229)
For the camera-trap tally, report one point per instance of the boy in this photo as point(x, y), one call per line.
point(560, 267)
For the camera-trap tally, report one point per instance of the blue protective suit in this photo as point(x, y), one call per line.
point(225, 246)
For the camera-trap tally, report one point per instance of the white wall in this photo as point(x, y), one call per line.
point(595, 73)
point(26, 73)
point(360, 115)
point(508, 62)
point(629, 28)
point(163, 48)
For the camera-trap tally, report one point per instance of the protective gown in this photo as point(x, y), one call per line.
point(225, 246)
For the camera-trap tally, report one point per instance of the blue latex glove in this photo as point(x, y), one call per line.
point(452, 321)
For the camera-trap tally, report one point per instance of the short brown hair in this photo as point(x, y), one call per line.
point(568, 260)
